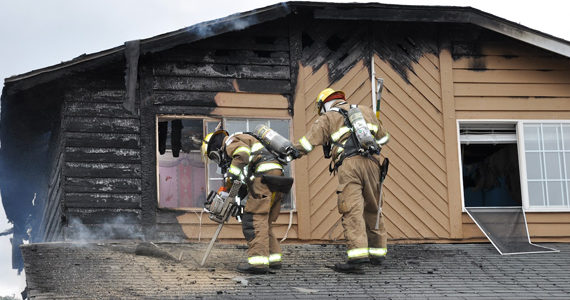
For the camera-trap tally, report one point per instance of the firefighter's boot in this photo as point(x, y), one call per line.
point(377, 260)
point(351, 266)
point(252, 269)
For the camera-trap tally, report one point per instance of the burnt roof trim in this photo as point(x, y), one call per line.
point(324, 10)
point(446, 14)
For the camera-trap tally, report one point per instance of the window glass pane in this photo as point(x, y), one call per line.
point(532, 136)
point(233, 126)
point(533, 165)
point(553, 165)
point(555, 193)
point(547, 141)
point(536, 193)
point(566, 134)
point(551, 136)
point(281, 126)
point(255, 122)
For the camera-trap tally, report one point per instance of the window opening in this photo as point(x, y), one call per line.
point(491, 186)
point(181, 170)
point(489, 157)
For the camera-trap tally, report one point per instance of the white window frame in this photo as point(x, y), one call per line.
point(290, 137)
point(521, 157)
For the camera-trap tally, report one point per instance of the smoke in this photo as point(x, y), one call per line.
point(117, 228)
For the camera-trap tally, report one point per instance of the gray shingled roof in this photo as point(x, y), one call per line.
point(127, 270)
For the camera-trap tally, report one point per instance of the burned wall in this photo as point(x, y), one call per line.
point(101, 166)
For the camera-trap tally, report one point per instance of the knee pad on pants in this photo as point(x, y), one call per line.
point(247, 226)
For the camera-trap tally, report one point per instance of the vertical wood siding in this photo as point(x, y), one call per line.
point(506, 79)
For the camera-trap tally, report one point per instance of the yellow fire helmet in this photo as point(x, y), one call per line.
point(206, 147)
point(327, 95)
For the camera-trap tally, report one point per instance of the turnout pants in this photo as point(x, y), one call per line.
point(261, 210)
point(359, 184)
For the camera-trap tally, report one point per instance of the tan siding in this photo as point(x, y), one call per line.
point(416, 204)
point(517, 82)
point(321, 187)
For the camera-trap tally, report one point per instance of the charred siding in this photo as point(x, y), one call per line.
point(102, 166)
point(254, 60)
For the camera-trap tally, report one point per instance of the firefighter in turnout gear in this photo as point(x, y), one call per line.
point(358, 171)
point(242, 157)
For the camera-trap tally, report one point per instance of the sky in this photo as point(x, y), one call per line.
point(39, 33)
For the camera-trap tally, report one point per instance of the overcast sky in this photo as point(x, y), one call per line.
point(41, 33)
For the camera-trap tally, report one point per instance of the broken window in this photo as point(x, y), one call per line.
point(181, 171)
point(184, 178)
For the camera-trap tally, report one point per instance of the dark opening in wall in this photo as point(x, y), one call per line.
point(490, 175)
point(490, 164)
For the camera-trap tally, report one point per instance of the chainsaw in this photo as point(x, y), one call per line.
point(221, 206)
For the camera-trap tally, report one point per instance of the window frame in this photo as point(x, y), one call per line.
point(163, 117)
point(290, 137)
point(223, 120)
point(521, 158)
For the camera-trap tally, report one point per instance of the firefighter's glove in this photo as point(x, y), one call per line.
point(294, 153)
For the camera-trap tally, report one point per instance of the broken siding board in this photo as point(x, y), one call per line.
point(94, 139)
point(511, 76)
point(512, 103)
point(512, 90)
point(102, 200)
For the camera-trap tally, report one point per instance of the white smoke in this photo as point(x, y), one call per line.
point(117, 228)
